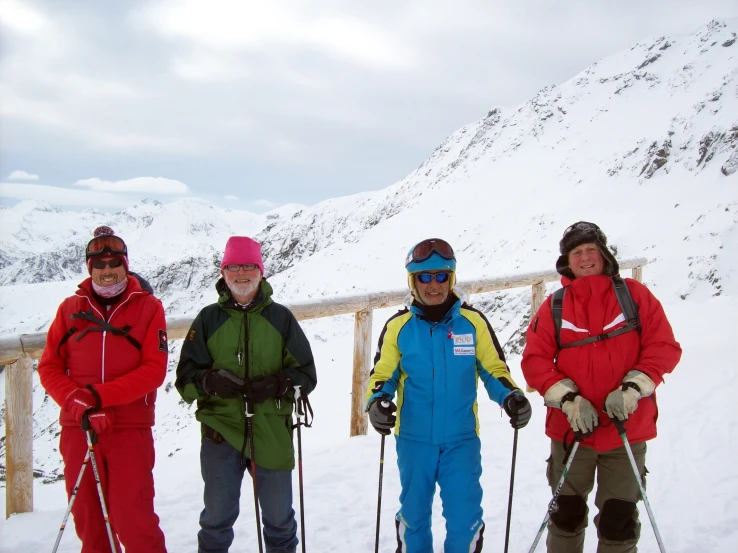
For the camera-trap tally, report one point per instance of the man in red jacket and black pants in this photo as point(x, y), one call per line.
point(105, 356)
point(584, 385)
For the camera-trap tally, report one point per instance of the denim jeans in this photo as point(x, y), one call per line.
point(222, 472)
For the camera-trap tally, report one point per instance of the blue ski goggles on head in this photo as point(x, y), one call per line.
point(427, 278)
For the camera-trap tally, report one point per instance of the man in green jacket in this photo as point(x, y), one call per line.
point(245, 354)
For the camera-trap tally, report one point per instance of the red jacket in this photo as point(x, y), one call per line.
point(125, 377)
point(590, 306)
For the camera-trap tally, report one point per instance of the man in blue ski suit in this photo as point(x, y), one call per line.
point(431, 354)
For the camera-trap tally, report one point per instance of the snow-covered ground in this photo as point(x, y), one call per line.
point(692, 481)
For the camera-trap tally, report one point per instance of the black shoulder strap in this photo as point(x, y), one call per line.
point(64, 339)
point(557, 304)
point(104, 326)
point(627, 305)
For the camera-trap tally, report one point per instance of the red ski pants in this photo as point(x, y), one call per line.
point(125, 460)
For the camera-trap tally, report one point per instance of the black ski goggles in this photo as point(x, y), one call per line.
point(427, 248)
point(108, 243)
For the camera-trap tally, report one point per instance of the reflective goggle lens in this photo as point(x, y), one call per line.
point(427, 278)
point(113, 244)
point(426, 248)
point(101, 264)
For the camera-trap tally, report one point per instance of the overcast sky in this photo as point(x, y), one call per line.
point(257, 104)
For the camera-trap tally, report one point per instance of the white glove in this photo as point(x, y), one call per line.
point(581, 414)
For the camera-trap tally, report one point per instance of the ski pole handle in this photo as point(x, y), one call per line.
point(620, 425)
point(298, 400)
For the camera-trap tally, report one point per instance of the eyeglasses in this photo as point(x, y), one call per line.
point(581, 225)
point(427, 278)
point(106, 244)
point(245, 266)
point(102, 263)
point(426, 248)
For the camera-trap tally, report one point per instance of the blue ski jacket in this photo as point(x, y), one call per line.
point(434, 368)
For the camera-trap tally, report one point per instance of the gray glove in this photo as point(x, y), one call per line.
point(623, 402)
point(581, 414)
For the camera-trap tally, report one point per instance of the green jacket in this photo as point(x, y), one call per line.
point(272, 341)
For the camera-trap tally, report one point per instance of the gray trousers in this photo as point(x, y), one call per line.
point(618, 527)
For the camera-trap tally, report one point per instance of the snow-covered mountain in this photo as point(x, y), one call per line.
point(644, 143)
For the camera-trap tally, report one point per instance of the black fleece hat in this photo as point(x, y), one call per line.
point(584, 233)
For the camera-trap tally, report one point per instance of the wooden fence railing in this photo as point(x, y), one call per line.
point(18, 352)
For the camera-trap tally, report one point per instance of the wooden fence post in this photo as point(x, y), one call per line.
point(637, 273)
point(19, 436)
point(362, 362)
point(537, 295)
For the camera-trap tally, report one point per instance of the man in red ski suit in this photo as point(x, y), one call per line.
point(601, 367)
point(105, 356)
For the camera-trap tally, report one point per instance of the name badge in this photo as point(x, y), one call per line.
point(463, 339)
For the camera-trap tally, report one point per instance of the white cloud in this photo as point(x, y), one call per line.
point(55, 195)
point(231, 197)
point(22, 175)
point(234, 25)
point(264, 204)
point(151, 185)
point(20, 17)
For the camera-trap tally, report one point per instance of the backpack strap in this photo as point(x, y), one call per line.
point(64, 339)
point(557, 306)
point(104, 326)
point(627, 305)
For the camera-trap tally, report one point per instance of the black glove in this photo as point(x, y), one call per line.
point(222, 383)
point(381, 416)
point(518, 409)
point(264, 387)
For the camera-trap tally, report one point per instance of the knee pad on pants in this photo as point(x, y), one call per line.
point(571, 512)
point(617, 520)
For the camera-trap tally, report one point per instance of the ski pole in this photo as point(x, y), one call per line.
point(71, 501)
point(621, 430)
point(91, 441)
point(512, 484)
point(379, 493)
point(300, 412)
point(250, 434)
point(552, 505)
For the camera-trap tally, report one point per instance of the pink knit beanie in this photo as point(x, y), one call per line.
point(240, 250)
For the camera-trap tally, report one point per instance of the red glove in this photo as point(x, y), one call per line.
point(102, 422)
point(79, 401)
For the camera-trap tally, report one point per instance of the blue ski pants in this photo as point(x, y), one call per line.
point(456, 467)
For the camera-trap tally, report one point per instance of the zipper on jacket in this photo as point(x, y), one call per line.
point(105, 332)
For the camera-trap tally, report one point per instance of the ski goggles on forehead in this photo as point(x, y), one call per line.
point(427, 278)
point(106, 244)
point(581, 225)
point(427, 248)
